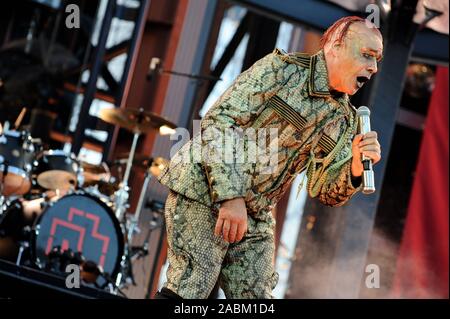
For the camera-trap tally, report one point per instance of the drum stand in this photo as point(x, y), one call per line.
point(130, 226)
point(23, 246)
point(121, 204)
point(2, 198)
point(2, 202)
point(122, 195)
point(137, 121)
point(134, 220)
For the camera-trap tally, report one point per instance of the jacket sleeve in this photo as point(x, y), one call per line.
point(236, 108)
point(331, 179)
point(337, 191)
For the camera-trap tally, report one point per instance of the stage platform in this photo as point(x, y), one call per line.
point(18, 282)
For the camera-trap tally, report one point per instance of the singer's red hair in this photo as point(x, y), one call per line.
point(342, 25)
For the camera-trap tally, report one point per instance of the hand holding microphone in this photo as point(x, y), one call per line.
point(366, 151)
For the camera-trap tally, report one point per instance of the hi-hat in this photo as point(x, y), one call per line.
point(154, 164)
point(137, 120)
point(139, 160)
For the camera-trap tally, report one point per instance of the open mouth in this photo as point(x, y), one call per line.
point(360, 80)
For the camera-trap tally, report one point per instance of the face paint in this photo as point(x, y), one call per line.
point(355, 60)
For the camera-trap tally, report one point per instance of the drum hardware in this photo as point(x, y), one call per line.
point(90, 271)
point(5, 127)
point(134, 220)
point(130, 225)
point(140, 161)
point(156, 207)
point(83, 223)
point(156, 222)
point(154, 168)
point(122, 195)
point(20, 118)
point(85, 199)
point(2, 200)
point(137, 121)
point(23, 245)
point(59, 259)
point(92, 174)
point(103, 190)
point(135, 252)
point(125, 275)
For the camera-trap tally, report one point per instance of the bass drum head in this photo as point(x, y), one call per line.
point(82, 223)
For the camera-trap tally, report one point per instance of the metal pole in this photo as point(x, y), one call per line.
point(126, 176)
point(122, 193)
point(91, 87)
point(137, 214)
point(127, 76)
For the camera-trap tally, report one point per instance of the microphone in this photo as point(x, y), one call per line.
point(368, 179)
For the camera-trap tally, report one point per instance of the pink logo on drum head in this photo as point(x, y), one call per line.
point(57, 222)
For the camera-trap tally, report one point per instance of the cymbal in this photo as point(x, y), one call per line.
point(139, 160)
point(136, 120)
point(143, 162)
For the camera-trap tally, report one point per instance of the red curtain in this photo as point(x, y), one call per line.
point(422, 265)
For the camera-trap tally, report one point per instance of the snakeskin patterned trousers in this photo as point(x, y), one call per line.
point(197, 258)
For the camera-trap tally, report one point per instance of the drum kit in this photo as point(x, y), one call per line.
point(57, 210)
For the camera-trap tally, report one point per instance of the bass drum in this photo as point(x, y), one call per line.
point(16, 223)
point(12, 224)
point(82, 223)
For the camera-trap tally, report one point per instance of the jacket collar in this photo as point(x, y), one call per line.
point(318, 76)
point(318, 85)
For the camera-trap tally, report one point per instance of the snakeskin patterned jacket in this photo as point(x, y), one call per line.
point(314, 131)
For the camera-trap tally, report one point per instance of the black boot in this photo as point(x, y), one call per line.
point(167, 294)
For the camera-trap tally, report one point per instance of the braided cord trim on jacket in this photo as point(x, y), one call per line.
point(318, 177)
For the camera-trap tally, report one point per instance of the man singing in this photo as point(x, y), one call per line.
point(218, 214)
